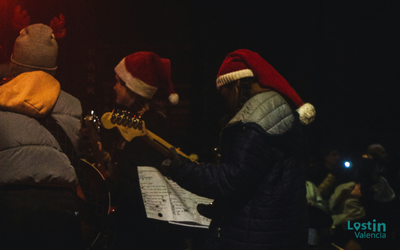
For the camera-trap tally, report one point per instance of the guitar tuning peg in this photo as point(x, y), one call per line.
point(124, 120)
point(113, 117)
point(116, 116)
point(129, 122)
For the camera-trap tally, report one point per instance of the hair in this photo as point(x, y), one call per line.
point(141, 102)
point(244, 86)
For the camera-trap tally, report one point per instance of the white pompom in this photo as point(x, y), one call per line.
point(307, 113)
point(174, 98)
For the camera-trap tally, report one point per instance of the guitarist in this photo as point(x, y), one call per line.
point(138, 77)
point(38, 201)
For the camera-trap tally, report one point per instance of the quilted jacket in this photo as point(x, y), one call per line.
point(29, 154)
point(259, 187)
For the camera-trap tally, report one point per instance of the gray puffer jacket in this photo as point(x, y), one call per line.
point(259, 187)
point(29, 154)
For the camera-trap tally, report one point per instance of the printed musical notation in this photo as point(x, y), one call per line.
point(166, 200)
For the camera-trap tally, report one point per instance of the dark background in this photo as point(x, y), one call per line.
point(341, 56)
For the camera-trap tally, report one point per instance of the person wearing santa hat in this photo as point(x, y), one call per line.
point(138, 78)
point(259, 186)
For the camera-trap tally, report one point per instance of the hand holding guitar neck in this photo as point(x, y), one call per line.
point(131, 126)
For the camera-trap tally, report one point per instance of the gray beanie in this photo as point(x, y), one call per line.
point(36, 48)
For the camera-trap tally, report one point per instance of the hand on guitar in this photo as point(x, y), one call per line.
point(174, 161)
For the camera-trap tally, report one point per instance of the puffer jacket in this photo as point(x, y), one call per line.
point(259, 187)
point(29, 154)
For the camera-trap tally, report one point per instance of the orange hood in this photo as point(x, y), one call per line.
point(31, 93)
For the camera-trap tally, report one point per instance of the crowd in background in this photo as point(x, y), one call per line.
point(343, 189)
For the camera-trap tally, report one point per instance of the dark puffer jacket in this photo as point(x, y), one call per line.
point(259, 187)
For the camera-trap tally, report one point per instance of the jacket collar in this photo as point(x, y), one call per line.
point(267, 109)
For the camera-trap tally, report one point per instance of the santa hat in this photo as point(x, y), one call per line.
point(144, 72)
point(245, 63)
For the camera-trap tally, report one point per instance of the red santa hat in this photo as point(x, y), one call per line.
point(144, 72)
point(245, 63)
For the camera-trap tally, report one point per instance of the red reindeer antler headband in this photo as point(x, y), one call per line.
point(21, 20)
point(58, 26)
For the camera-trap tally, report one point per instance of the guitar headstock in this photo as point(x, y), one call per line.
point(93, 122)
point(130, 126)
point(91, 130)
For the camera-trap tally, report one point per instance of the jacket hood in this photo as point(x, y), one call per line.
point(31, 93)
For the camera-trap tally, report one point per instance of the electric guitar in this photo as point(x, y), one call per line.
point(131, 126)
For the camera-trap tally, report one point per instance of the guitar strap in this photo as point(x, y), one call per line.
point(62, 138)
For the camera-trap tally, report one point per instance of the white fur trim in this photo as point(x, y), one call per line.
point(133, 83)
point(233, 76)
point(307, 113)
point(174, 98)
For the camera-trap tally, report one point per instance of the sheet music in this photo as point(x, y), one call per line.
point(166, 200)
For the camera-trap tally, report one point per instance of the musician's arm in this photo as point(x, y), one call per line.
point(243, 172)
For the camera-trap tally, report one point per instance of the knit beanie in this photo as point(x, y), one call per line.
point(144, 72)
point(36, 48)
point(245, 63)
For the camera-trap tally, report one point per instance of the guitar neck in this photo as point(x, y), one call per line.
point(160, 144)
point(131, 127)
